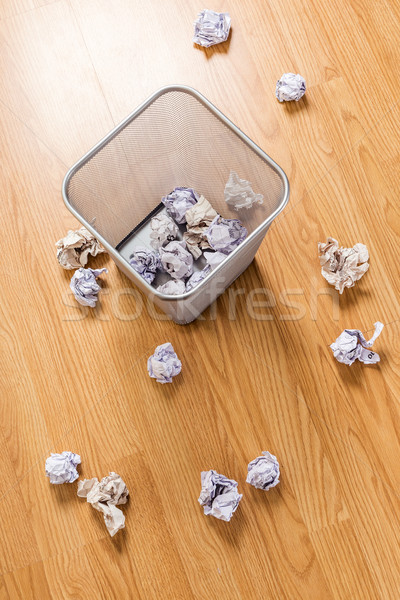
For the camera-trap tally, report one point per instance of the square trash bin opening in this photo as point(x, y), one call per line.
point(174, 139)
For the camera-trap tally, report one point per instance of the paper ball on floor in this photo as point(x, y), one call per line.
point(290, 87)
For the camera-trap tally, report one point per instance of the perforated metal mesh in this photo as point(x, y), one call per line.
point(175, 141)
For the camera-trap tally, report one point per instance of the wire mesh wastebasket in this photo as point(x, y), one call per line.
point(175, 138)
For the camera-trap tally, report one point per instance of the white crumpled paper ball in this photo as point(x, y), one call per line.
point(178, 203)
point(164, 364)
point(263, 472)
point(176, 260)
point(163, 230)
point(197, 278)
point(211, 28)
point(290, 87)
point(85, 287)
point(224, 235)
point(219, 495)
point(239, 193)
point(214, 258)
point(173, 287)
point(351, 345)
point(145, 262)
point(61, 468)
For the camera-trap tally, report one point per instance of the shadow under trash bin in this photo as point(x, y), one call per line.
point(176, 138)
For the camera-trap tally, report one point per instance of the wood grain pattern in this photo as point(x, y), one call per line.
point(255, 377)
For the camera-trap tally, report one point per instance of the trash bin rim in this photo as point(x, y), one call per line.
point(97, 147)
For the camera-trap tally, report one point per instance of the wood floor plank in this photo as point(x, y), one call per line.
point(51, 85)
point(207, 549)
point(72, 576)
point(28, 583)
point(4, 595)
point(15, 523)
point(145, 555)
point(373, 508)
point(338, 549)
point(13, 8)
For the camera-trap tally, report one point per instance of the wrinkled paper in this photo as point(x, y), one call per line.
point(173, 287)
point(351, 345)
point(61, 468)
point(104, 496)
point(176, 260)
point(214, 258)
point(239, 193)
point(178, 202)
point(342, 267)
point(145, 262)
point(85, 287)
point(211, 28)
point(198, 219)
point(225, 235)
point(164, 364)
point(219, 495)
point(73, 250)
point(197, 278)
point(163, 230)
point(290, 87)
point(263, 472)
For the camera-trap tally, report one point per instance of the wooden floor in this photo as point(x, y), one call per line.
point(254, 378)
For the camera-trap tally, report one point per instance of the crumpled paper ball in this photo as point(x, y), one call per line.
point(239, 193)
point(195, 242)
point(214, 258)
point(111, 489)
point(340, 266)
point(173, 287)
point(178, 202)
point(164, 364)
point(290, 87)
point(219, 495)
point(73, 250)
point(198, 219)
point(145, 262)
point(163, 230)
point(61, 468)
point(351, 345)
point(225, 235)
point(263, 472)
point(104, 496)
point(197, 278)
point(211, 28)
point(85, 287)
point(176, 260)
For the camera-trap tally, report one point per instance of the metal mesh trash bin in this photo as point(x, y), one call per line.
point(175, 138)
